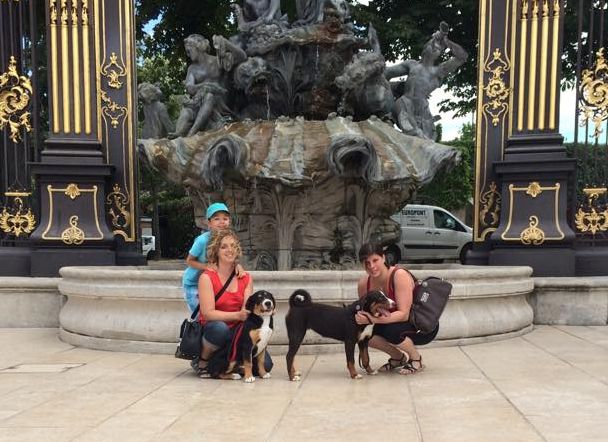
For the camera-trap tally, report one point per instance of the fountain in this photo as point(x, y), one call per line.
point(295, 127)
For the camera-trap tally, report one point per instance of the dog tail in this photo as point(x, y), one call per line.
point(300, 298)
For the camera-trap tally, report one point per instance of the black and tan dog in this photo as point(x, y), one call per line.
point(250, 340)
point(333, 322)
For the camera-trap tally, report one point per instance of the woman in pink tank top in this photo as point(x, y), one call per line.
point(393, 334)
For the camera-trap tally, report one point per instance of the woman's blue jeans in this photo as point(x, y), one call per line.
point(218, 333)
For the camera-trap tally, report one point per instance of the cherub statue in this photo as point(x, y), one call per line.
point(157, 123)
point(411, 110)
point(205, 106)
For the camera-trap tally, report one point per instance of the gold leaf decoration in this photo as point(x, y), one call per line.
point(112, 110)
point(73, 235)
point(19, 222)
point(72, 191)
point(594, 94)
point(15, 96)
point(533, 234)
point(490, 201)
point(113, 71)
point(524, 9)
point(121, 217)
point(496, 89)
point(534, 189)
point(592, 220)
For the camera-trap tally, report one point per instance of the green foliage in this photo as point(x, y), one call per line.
point(164, 72)
point(453, 190)
point(177, 218)
point(176, 20)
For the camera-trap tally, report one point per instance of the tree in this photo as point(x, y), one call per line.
point(454, 189)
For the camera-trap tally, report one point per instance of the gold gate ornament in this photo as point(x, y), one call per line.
point(19, 222)
point(73, 234)
point(533, 234)
point(15, 95)
point(592, 221)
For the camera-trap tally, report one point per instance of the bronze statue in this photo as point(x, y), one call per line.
point(411, 110)
point(205, 106)
point(157, 123)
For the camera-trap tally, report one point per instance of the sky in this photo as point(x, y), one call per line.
point(451, 125)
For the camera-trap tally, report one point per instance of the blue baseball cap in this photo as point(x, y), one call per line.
point(216, 207)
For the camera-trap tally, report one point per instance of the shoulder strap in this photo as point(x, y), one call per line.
point(218, 296)
point(391, 283)
point(223, 289)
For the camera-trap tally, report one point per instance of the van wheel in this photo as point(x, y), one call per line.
point(463, 252)
point(392, 255)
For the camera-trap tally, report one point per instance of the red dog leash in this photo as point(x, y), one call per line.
point(235, 340)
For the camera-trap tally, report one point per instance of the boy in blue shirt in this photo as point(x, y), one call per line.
point(218, 218)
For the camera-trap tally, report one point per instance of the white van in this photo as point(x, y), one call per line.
point(148, 246)
point(429, 233)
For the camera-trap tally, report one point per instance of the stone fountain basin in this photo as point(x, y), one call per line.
point(139, 309)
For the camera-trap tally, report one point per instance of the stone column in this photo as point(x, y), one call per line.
point(523, 171)
point(87, 169)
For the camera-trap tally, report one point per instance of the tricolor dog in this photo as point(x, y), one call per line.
point(336, 323)
point(251, 338)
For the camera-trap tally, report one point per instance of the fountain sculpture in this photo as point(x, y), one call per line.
point(293, 125)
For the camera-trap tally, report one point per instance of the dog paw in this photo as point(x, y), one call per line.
point(249, 379)
point(296, 378)
point(266, 376)
point(357, 376)
point(372, 373)
point(235, 376)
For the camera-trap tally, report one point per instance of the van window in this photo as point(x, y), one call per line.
point(445, 221)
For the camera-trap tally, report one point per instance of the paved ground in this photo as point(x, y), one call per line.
point(551, 384)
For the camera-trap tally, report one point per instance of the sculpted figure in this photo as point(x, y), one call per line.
point(313, 11)
point(411, 110)
point(365, 90)
point(252, 78)
point(257, 12)
point(205, 104)
point(157, 123)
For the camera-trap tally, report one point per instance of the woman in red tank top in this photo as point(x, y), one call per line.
point(393, 334)
point(219, 317)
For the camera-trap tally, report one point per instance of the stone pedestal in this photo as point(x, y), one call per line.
point(73, 228)
point(139, 309)
point(533, 228)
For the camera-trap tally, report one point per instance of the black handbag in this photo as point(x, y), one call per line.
point(429, 300)
point(191, 331)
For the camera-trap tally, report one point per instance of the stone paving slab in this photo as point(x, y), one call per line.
point(549, 385)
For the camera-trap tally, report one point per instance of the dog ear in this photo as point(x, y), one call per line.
point(251, 301)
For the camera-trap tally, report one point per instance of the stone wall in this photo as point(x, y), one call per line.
point(30, 302)
point(570, 301)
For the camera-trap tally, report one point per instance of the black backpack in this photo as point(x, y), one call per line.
point(428, 301)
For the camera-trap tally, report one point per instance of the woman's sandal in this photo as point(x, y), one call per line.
point(202, 371)
point(394, 364)
point(409, 367)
